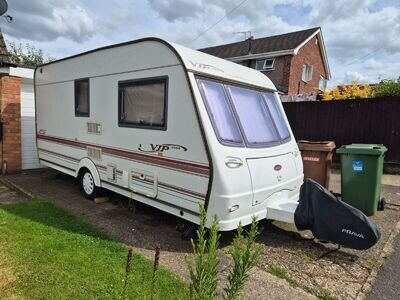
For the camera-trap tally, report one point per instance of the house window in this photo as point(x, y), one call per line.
point(265, 64)
point(142, 103)
point(322, 83)
point(307, 73)
point(82, 97)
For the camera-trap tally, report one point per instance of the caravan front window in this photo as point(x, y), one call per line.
point(219, 111)
point(237, 112)
point(276, 112)
point(253, 114)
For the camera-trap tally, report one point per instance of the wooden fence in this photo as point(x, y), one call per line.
point(371, 121)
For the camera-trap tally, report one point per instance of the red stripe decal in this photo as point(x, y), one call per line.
point(187, 166)
point(119, 172)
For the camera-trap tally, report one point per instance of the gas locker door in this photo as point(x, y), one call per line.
point(272, 174)
point(143, 182)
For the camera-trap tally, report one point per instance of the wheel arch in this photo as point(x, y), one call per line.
point(87, 163)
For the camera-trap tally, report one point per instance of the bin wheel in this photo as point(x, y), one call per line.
point(382, 204)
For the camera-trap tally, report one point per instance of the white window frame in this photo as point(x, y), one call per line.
point(323, 79)
point(307, 72)
point(264, 68)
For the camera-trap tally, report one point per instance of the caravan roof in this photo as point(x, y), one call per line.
point(197, 62)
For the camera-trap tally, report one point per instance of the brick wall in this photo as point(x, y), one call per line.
point(288, 69)
point(310, 54)
point(281, 71)
point(10, 104)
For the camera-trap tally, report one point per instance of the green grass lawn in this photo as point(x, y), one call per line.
point(48, 253)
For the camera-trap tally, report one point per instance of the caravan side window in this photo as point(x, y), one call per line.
point(143, 103)
point(82, 97)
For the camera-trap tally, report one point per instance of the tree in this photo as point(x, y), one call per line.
point(26, 54)
point(353, 91)
point(388, 87)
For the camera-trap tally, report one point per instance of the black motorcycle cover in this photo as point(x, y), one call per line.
point(330, 219)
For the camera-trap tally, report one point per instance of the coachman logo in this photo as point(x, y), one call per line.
point(160, 148)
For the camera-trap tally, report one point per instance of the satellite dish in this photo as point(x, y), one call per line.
point(3, 7)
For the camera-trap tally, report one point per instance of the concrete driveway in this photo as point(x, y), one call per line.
point(142, 228)
point(343, 275)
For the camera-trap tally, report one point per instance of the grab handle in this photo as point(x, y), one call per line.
point(233, 162)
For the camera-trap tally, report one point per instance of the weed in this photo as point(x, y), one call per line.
point(203, 268)
point(128, 270)
point(245, 254)
point(280, 272)
point(324, 294)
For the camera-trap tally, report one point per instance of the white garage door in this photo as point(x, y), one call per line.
point(28, 130)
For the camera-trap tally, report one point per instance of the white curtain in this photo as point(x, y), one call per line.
point(254, 116)
point(276, 112)
point(144, 104)
point(221, 114)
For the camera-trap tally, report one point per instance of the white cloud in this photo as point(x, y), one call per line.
point(177, 9)
point(361, 36)
point(47, 20)
point(373, 64)
point(351, 76)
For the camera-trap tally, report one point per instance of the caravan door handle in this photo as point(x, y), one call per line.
point(233, 162)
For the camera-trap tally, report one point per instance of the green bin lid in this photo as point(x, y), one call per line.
point(368, 149)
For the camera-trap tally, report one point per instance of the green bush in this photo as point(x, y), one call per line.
point(246, 254)
point(388, 88)
point(203, 268)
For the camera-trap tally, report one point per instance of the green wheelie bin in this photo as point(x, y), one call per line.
point(361, 173)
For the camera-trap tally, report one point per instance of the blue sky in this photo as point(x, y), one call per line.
point(361, 36)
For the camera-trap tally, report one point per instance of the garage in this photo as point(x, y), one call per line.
point(29, 156)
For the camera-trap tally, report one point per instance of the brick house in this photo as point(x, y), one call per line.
point(17, 115)
point(296, 62)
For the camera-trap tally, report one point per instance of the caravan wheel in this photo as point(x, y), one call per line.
point(88, 186)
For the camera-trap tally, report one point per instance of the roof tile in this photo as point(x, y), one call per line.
point(280, 42)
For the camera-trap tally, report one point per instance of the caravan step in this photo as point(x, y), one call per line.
point(282, 211)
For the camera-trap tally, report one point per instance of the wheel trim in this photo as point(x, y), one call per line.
point(88, 183)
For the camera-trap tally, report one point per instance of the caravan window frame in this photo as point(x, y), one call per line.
point(239, 144)
point(138, 82)
point(76, 82)
point(226, 83)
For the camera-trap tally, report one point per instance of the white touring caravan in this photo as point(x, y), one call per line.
point(170, 127)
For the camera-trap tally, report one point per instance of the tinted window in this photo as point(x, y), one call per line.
point(276, 112)
point(240, 112)
point(254, 115)
point(142, 103)
point(219, 111)
point(82, 97)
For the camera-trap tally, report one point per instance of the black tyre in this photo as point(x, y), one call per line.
point(382, 204)
point(88, 186)
point(188, 231)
